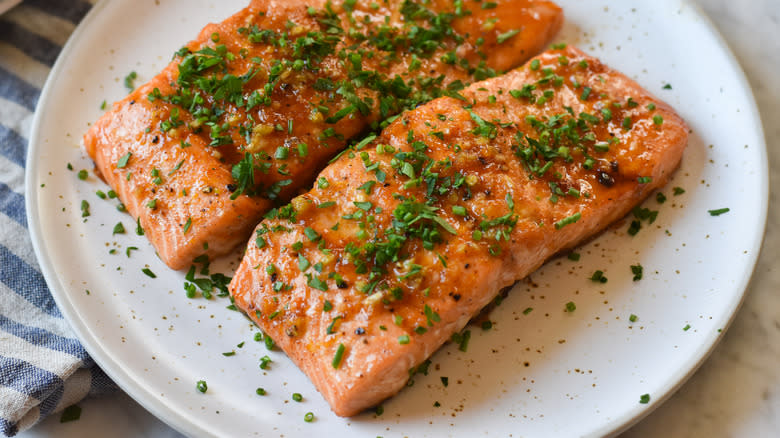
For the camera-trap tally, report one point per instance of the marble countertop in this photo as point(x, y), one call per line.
point(736, 392)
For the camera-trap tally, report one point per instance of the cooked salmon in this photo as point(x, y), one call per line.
point(406, 236)
point(246, 114)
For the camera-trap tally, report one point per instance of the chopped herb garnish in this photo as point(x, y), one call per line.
point(678, 191)
point(687, 327)
point(264, 361)
point(598, 277)
point(403, 339)
point(308, 417)
point(632, 318)
point(637, 270)
point(130, 81)
point(149, 272)
point(528, 310)
point(718, 212)
point(571, 307)
point(297, 397)
point(119, 228)
point(569, 220)
point(501, 38)
point(338, 356)
point(644, 399)
point(83, 174)
point(201, 386)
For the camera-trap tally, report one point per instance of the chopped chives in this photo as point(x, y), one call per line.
point(569, 220)
point(507, 35)
point(338, 356)
point(123, 160)
point(719, 211)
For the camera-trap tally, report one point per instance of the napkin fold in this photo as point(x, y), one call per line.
point(43, 366)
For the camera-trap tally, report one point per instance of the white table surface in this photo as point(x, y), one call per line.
point(737, 390)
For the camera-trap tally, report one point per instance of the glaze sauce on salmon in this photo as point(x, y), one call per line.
point(406, 236)
point(246, 114)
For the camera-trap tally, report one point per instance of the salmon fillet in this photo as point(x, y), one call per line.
point(247, 113)
point(403, 240)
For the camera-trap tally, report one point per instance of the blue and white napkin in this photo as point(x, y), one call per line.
point(43, 367)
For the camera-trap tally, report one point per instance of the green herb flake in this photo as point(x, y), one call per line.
point(403, 339)
point(311, 234)
point(568, 220)
point(122, 163)
point(660, 198)
point(82, 175)
point(201, 386)
point(130, 81)
point(632, 318)
point(574, 256)
point(119, 228)
point(687, 327)
point(297, 397)
point(571, 307)
point(678, 191)
point(338, 356)
point(528, 310)
point(264, 361)
point(718, 212)
point(149, 272)
point(506, 35)
point(644, 399)
point(260, 391)
point(598, 277)
point(637, 270)
point(303, 264)
point(308, 417)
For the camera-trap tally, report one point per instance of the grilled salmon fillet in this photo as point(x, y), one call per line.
point(247, 113)
point(406, 236)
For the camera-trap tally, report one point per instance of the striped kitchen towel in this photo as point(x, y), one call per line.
point(43, 367)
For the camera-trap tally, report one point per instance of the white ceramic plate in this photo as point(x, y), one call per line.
point(547, 372)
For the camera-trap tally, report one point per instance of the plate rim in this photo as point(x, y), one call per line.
point(113, 369)
point(177, 420)
point(713, 339)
